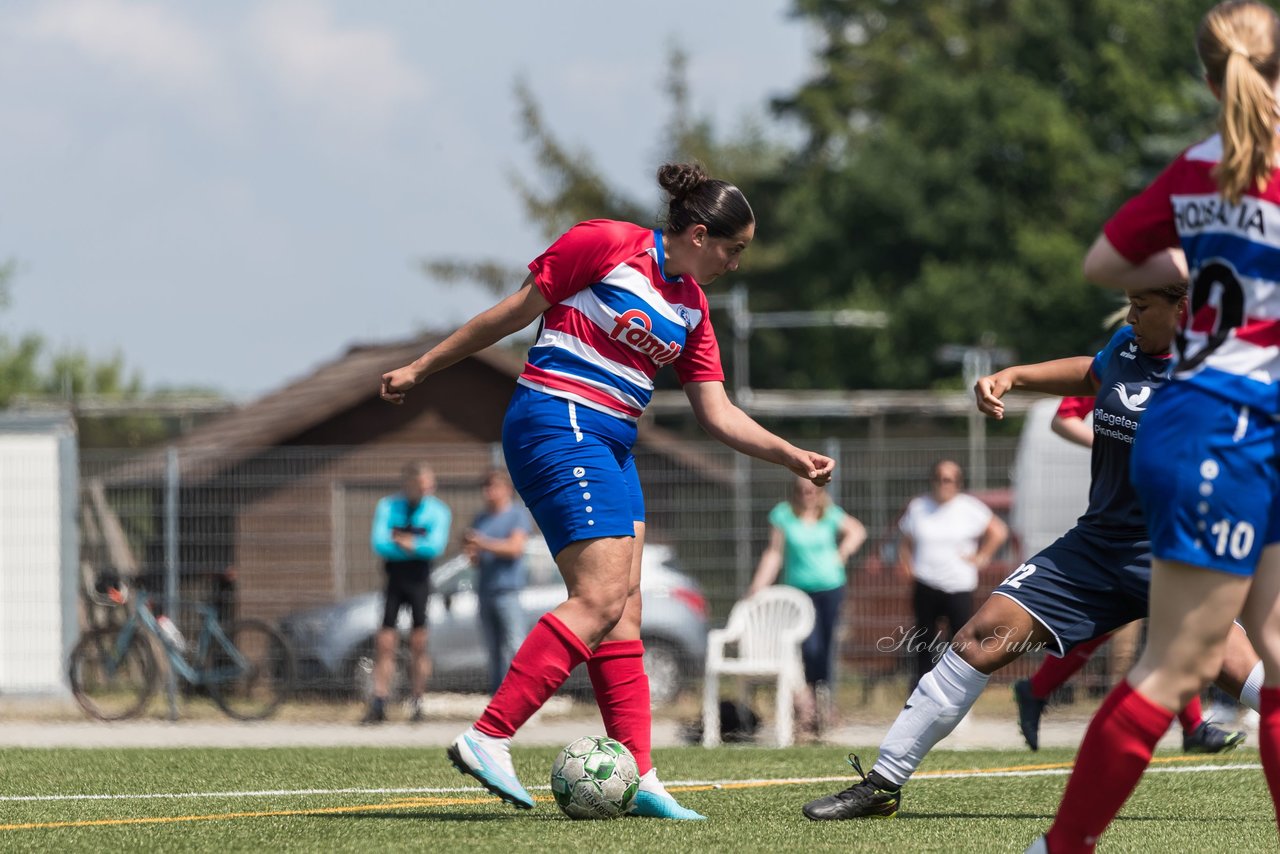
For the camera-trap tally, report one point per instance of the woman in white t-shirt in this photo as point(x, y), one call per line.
point(947, 536)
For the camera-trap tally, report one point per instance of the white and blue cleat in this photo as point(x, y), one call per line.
point(488, 760)
point(654, 801)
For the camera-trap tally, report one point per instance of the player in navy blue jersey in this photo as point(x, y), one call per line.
point(1089, 582)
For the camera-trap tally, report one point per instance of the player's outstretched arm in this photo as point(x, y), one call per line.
point(485, 329)
point(1067, 377)
point(1104, 265)
point(728, 424)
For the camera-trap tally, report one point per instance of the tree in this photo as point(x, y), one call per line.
point(959, 156)
point(29, 372)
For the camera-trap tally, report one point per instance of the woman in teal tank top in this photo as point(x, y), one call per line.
point(810, 541)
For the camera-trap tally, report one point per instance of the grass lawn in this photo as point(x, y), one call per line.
point(321, 799)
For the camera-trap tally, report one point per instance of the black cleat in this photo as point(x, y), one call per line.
point(376, 714)
point(861, 800)
point(1030, 708)
point(1210, 738)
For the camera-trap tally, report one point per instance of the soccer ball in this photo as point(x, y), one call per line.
point(594, 777)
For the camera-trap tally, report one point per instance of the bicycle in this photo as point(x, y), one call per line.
point(246, 669)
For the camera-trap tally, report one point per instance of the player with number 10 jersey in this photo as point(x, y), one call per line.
point(1223, 394)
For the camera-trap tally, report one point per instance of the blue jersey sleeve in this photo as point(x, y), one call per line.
point(1122, 341)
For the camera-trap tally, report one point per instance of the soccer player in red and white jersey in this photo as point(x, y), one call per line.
point(1204, 460)
point(616, 301)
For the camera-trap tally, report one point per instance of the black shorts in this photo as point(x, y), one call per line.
point(407, 585)
point(1083, 586)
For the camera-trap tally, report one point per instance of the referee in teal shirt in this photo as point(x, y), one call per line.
point(410, 529)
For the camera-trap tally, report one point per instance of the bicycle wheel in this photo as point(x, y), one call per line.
point(250, 681)
point(113, 678)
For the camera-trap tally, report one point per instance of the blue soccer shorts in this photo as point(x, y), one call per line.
point(1205, 471)
point(572, 466)
point(1082, 586)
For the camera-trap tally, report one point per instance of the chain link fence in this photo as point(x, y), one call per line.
point(282, 535)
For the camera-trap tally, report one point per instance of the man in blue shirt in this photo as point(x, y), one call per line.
point(410, 529)
point(495, 545)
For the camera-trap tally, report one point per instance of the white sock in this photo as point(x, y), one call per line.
point(650, 783)
point(944, 696)
point(1251, 692)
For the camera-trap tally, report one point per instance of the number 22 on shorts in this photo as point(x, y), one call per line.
point(1019, 575)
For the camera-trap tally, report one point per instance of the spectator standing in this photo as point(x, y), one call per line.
point(947, 536)
point(495, 544)
point(811, 540)
point(410, 530)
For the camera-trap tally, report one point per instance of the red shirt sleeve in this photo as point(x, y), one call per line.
point(699, 361)
point(1075, 407)
point(582, 256)
point(1144, 225)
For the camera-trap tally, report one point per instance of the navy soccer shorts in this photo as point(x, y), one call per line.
point(1082, 586)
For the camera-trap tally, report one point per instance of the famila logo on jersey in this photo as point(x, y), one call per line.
point(633, 326)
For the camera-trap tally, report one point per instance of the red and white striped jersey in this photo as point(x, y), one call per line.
point(1230, 340)
point(615, 319)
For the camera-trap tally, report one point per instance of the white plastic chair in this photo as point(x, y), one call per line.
point(768, 629)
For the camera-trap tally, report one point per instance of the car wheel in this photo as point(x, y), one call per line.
point(360, 672)
point(662, 662)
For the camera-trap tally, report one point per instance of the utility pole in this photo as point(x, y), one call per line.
point(741, 322)
point(976, 362)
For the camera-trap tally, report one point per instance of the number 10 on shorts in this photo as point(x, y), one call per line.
point(1237, 539)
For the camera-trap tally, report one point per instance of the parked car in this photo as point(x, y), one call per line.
point(333, 646)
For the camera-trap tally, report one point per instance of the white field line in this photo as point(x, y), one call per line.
point(678, 784)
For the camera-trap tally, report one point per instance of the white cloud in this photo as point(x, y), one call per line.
point(353, 74)
point(142, 40)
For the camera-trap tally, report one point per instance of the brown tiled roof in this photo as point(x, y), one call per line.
point(341, 384)
point(332, 388)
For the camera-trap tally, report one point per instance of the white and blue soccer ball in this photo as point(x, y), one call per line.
point(594, 777)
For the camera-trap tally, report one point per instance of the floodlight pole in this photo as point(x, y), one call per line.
point(741, 322)
point(977, 362)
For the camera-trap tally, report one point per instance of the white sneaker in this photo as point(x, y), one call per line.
point(488, 760)
point(1038, 847)
point(654, 801)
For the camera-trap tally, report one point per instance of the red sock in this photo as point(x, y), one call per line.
point(541, 665)
point(1269, 742)
point(622, 692)
point(1116, 750)
point(1190, 717)
point(1054, 671)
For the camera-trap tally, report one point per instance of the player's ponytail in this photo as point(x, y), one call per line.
point(697, 199)
point(1239, 44)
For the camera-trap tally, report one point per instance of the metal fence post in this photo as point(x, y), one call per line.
point(171, 485)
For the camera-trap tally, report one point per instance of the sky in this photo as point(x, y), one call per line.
point(230, 194)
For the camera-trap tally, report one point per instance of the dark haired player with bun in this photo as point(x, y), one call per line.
point(616, 302)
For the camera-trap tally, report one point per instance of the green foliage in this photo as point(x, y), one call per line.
point(957, 158)
point(29, 371)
